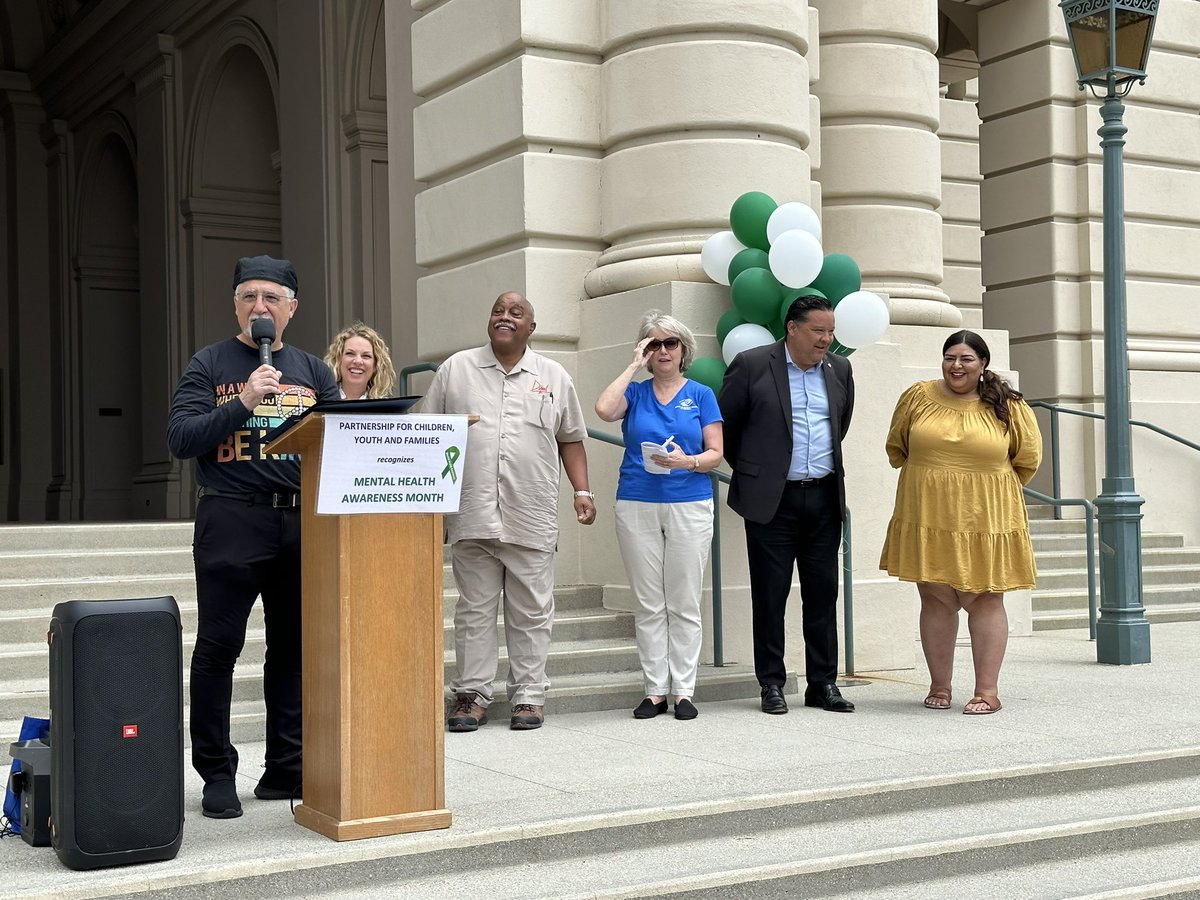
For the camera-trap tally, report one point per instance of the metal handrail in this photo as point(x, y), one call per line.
point(1089, 520)
point(1055, 466)
point(412, 370)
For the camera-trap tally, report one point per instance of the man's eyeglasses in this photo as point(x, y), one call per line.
point(250, 297)
point(666, 343)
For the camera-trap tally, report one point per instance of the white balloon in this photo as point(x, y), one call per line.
point(860, 318)
point(744, 337)
point(717, 253)
point(796, 258)
point(792, 216)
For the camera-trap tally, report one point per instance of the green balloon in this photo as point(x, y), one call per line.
point(791, 295)
point(748, 219)
point(707, 370)
point(756, 294)
point(777, 330)
point(750, 258)
point(727, 323)
point(839, 276)
point(839, 349)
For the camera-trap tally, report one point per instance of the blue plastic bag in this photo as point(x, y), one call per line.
point(32, 729)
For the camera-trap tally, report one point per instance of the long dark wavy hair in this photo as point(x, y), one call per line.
point(993, 390)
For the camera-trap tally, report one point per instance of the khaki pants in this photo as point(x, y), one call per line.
point(483, 569)
point(665, 548)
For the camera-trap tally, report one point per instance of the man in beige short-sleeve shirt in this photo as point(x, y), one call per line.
point(505, 532)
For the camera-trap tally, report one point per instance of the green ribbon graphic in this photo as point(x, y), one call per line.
point(452, 455)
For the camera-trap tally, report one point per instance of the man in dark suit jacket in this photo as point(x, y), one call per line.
point(787, 407)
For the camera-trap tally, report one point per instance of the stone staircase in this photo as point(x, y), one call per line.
point(593, 661)
point(1170, 573)
point(1108, 829)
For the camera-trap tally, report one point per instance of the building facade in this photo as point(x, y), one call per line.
point(416, 159)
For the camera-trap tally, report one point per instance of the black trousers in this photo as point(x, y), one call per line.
point(242, 551)
point(806, 533)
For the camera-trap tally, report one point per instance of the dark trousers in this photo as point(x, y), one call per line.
point(806, 533)
point(241, 551)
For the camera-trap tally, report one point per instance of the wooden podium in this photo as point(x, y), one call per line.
point(373, 660)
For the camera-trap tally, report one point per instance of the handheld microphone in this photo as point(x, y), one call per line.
point(262, 332)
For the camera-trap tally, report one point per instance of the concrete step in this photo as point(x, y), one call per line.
point(1067, 579)
point(1051, 543)
point(26, 628)
point(1167, 556)
point(96, 536)
point(20, 595)
point(1154, 615)
point(58, 565)
point(580, 692)
point(1159, 597)
point(1071, 830)
point(25, 674)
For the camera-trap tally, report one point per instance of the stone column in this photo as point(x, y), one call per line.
point(64, 494)
point(507, 141)
point(881, 168)
point(162, 489)
point(27, 214)
point(703, 102)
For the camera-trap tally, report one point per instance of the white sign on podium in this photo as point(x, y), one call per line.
point(391, 464)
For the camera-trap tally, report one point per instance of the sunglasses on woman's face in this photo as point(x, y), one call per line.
point(667, 343)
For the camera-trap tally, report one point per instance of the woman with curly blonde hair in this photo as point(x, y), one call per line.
point(361, 363)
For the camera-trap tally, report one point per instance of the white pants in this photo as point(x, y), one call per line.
point(665, 549)
point(482, 569)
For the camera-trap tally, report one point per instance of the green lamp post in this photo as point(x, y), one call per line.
point(1111, 43)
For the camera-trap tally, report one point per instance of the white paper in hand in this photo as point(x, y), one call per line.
point(649, 449)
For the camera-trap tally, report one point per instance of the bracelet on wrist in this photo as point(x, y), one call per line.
point(587, 494)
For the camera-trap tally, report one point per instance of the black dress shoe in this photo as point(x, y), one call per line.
point(685, 709)
point(828, 697)
point(648, 709)
point(772, 700)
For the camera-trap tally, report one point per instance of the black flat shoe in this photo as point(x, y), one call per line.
point(772, 700)
point(685, 709)
point(828, 697)
point(648, 709)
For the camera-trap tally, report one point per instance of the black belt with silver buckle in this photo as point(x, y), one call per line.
point(278, 501)
point(809, 482)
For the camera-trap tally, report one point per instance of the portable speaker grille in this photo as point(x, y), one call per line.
point(116, 731)
point(125, 796)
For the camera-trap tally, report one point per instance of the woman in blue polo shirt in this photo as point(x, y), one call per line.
point(664, 516)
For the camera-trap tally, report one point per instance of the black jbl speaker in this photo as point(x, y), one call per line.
point(116, 731)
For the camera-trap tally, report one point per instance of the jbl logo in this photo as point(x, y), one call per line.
point(129, 731)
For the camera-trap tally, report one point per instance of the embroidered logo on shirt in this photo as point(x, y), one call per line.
point(686, 403)
point(539, 388)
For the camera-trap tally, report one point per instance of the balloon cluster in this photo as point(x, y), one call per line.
point(773, 255)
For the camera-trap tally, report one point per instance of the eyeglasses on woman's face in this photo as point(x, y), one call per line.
point(667, 344)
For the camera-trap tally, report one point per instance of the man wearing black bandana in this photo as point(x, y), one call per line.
point(247, 538)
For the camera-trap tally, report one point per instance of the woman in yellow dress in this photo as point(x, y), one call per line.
point(964, 444)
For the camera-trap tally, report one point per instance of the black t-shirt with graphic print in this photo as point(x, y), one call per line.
point(208, 421)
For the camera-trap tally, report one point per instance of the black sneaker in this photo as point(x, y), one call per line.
point(279, 784)
point(221, 800)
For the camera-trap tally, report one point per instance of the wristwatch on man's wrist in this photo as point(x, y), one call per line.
point(587, 494)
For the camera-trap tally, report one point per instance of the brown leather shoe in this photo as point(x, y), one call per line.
point(468, 714)
point(526, 717)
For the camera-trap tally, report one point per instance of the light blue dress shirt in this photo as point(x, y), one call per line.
point(812, 431)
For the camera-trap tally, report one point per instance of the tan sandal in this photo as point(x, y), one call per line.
point(937, 699)
point(991, 705)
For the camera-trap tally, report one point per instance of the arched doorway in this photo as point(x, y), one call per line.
point(109, 330)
